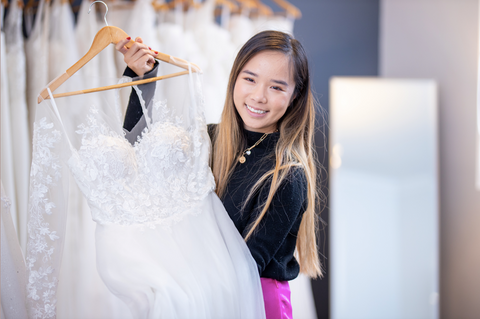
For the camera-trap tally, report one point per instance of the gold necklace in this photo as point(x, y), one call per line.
point(248, 151)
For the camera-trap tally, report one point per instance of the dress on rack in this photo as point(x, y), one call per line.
point(277, 23)
point(16, 69)
point(216, 44)
point(36, 52)
point(7, 160)
point(241, 29)
point(13, 266)
point(164, 242)
point(77, 296)
point(173, 39)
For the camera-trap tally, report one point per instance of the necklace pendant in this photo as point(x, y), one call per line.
point(248, 152)
point(242, 159)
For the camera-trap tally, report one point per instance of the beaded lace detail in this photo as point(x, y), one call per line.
point(155, 181)
point(45, 171)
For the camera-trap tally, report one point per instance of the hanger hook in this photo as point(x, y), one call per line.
point(105, 16)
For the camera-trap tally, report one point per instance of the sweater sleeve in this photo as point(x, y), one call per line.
point(279, 227)
point(134, 109)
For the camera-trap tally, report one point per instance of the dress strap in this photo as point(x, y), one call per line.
point(57, 113)
point(192, 87)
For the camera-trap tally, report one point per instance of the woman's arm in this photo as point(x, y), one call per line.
point(134, 109)
point(140, 63)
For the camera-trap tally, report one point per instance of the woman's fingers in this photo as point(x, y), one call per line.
point(139, 57)
point(120, 46)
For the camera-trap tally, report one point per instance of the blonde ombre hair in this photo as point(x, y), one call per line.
point(294, 147)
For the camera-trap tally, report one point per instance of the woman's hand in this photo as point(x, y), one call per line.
point(138, 57)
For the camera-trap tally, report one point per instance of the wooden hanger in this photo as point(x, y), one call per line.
point(194, 4)
point(120, 4)
point(289, 8)
point(247, 4)
point(103, 38)
point(160, 6)
point(264, 10)
point(186, 4)
point(258, 8)
point(231, 6)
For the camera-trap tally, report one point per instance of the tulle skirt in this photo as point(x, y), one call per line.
point(199, 267)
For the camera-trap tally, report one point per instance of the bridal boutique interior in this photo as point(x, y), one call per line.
point(398, 134)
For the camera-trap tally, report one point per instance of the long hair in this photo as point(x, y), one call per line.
point(294, 147)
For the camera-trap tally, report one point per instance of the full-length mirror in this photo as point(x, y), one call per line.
point(384, 198)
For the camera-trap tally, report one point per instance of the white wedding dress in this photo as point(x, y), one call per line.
point(164, 242)
point(15, 59)
point(216, 45)
point(37, 53)
point(13, 266)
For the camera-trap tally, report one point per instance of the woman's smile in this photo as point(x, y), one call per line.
point(255, 110)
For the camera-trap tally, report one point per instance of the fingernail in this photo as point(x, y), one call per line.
point(155, 52)
point(129, 38)
point(149, 48)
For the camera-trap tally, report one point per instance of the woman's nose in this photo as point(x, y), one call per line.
point(258, 94)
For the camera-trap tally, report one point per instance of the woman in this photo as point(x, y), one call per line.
point(263, 158)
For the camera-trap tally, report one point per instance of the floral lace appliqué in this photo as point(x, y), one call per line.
point(156, 181)
point(45, 172)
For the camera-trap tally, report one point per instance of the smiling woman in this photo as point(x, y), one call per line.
point(271, 197)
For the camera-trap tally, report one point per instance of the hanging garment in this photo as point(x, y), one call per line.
point(36, 51)
point(164, 242)
point(241, 30)
point(81, 293)
point(173, 39)
point(13, 281)
point(217, 46)
point(7, 160)
point(276, 23)
point(15, 57)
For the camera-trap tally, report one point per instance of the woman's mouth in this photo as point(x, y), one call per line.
point(251, 109)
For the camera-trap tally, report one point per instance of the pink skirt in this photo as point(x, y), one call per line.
point(276, 295)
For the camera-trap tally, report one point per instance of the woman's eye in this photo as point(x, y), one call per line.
point(249, 79)
point(277, 88)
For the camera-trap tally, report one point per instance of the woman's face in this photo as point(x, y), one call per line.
point(263, 91)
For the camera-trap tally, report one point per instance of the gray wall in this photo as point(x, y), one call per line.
point(439, 40)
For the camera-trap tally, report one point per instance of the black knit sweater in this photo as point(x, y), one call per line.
point(273, 243)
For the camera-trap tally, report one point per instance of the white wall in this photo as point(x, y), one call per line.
point(383, 186)
point(439, 39)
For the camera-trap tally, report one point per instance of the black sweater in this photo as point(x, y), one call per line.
point(273, 243)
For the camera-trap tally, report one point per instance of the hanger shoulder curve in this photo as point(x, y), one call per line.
point(289, 8)
point(108, 35)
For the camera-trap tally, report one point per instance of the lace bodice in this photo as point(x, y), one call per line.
point(157, 180)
